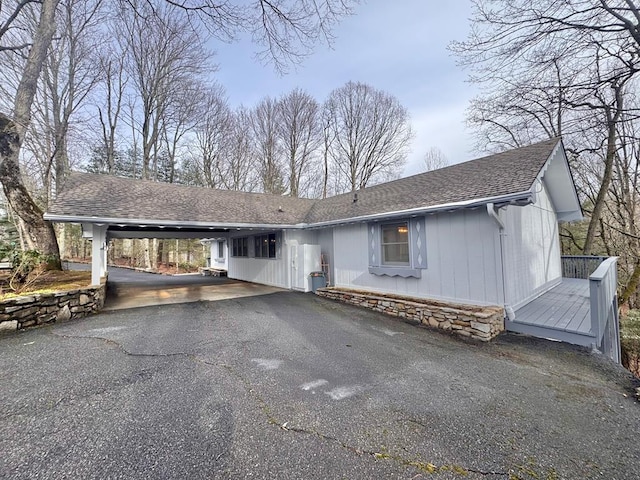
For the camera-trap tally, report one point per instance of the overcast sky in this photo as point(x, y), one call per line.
point(396, 46)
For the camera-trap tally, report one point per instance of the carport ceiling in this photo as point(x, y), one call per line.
point(130, 231)
point(160, 231)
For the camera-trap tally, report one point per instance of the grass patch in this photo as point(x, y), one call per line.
point(49, 282)
point(630, 341)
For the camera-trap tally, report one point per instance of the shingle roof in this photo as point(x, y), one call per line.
point(496, 175)
point(105, 196)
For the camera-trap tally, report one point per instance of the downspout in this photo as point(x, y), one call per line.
point(493, 213)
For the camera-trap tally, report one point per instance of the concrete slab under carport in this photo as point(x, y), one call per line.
point(127, 288)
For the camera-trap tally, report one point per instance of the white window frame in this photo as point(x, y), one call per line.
point(394, 225)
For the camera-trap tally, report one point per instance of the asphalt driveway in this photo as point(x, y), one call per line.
point(292, 386)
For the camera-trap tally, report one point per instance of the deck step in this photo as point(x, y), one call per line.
point(575, 338)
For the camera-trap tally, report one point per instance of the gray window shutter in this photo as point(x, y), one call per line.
point(418, 239)
point(374, 244)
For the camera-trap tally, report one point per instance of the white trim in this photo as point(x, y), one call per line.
point(526, 195)
point(138, 222)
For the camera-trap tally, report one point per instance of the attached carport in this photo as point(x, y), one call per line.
point(110, 207)
point(101, 232)
point(128, 288)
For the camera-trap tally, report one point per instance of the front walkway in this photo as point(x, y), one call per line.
point(562, 314)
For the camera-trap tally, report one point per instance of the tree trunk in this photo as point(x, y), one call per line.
point(39, 233)
point(632, 284)
point(612, 123)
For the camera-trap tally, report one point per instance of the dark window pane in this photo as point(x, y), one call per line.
point(272, 245)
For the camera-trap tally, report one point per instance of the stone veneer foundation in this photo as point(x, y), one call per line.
point(481, 323)
point(38, 309)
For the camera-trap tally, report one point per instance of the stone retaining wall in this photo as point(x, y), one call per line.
point(481, 323)
point(38, 309)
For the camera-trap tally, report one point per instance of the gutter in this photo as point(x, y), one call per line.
point(520, 197)
point(139, 222)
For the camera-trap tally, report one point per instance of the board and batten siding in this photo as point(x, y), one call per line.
point(463, 260)
point(267, 271)
point(531, 249)
point(276, 272)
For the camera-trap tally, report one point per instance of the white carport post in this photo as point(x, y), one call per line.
point(98, 253)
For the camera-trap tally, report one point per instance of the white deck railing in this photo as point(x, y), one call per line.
point(603, 297)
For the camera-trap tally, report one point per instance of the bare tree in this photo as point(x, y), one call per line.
point(113, 82)
point(39, 234)
point(300, 136)
point(69, 74)
point(327, 142)
point(286, 29)
point(164, 52)
point(371, 133)
point(554, 68)
point(268, 149)
point(212, 139)
point(434, 159)
point(239, 170)
point(181, 117)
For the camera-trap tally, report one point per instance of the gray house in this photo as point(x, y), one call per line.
point(483, 232)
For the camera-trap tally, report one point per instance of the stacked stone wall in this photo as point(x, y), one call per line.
point(478, 322)
point(38, 309)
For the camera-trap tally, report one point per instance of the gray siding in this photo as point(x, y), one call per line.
point(268, 271)
point(532, 250)
point(463, 260)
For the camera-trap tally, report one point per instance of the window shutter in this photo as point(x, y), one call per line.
point(374, 244)
point(418, 241)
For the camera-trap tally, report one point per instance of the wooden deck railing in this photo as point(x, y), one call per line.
point(580, 266)
point(603, 283)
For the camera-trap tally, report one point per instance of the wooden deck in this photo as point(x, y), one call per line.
point(562, 314)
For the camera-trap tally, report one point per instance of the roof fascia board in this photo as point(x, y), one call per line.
point(159, 223)
point(557, 150)
point(526, 195)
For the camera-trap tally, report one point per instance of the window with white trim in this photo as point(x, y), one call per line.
point(395, 244)
point(221, 249)
point(398, 248)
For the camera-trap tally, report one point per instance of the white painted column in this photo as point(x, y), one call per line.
point(103, 270)
point(98, 253)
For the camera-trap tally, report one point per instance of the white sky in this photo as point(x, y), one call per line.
point(397, 46)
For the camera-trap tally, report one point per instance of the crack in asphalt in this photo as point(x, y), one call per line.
point(426, 467)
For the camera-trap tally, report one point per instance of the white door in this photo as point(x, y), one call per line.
point(297, 268)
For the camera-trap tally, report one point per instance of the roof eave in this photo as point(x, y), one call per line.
point(138, 222)
point(520, 197)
